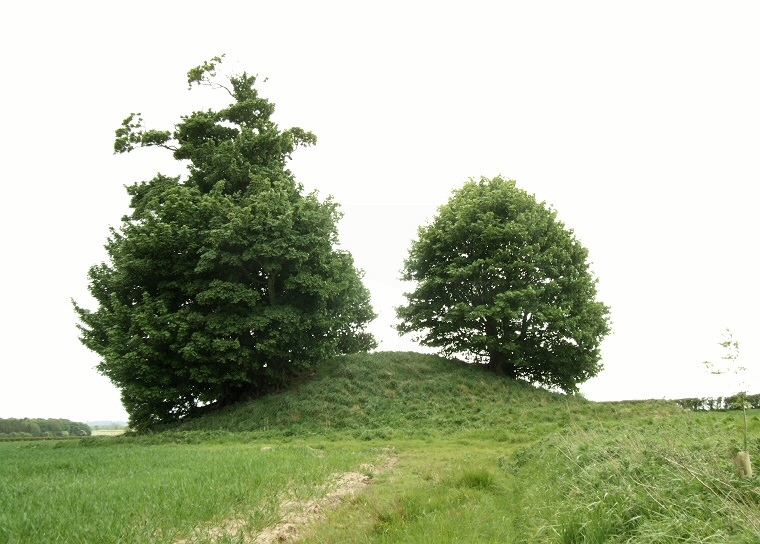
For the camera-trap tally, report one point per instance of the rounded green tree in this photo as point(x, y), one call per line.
point(222, 286)
point(500, 281)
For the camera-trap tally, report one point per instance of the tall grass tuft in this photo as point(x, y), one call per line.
point(671, 481)
point(477, 478)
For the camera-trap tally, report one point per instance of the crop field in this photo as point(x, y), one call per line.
point(471, 460)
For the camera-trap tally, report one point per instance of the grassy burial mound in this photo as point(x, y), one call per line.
point(396, 394)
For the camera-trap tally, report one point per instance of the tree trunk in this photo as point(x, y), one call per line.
point(499, 361)
point(500, 364)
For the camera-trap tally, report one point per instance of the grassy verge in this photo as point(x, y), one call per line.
point(644, 480)
point(664, 480)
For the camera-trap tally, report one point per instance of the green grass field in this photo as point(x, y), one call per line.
point(438, 452)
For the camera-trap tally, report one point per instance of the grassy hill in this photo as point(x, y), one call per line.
point(396, 447)
point(405, 394)
point(392, 394)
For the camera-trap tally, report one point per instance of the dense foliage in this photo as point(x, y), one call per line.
point(35, 427)
point(499, 280)
point(224, 285)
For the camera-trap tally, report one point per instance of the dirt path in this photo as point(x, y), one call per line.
point(296, 515)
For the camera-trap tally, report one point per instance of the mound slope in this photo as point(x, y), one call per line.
point(394, 392)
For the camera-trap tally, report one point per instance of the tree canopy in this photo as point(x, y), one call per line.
point(500, 281)
point(224, 285)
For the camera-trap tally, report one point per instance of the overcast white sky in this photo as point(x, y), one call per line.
point(639, 122)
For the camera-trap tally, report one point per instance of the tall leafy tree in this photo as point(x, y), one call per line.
point(500, 281)
point(223, 285)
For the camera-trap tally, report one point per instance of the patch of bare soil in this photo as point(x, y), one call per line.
point(298, 514)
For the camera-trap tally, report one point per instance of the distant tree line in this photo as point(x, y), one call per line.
point(27, 427)
point(732, 402)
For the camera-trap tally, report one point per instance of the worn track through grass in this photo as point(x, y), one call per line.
point(296, 514)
